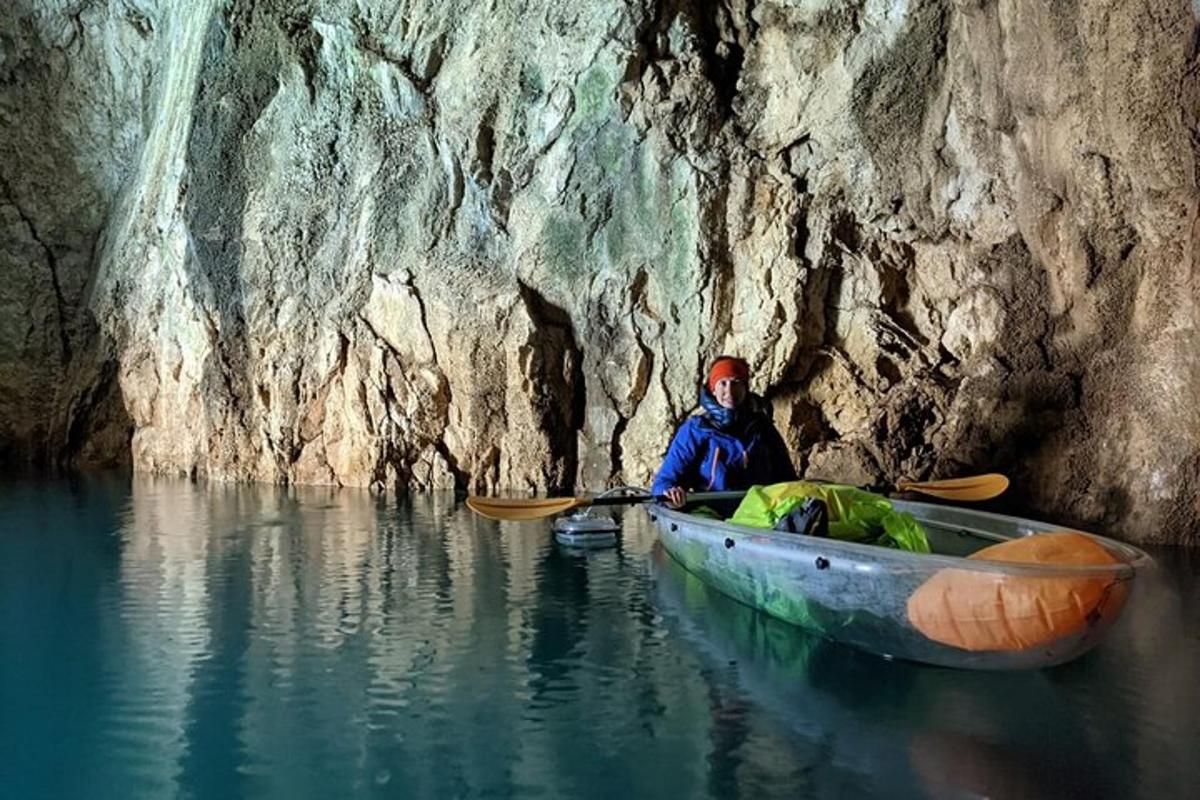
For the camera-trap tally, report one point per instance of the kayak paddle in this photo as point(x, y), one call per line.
point(972, 488)
point(526, 508)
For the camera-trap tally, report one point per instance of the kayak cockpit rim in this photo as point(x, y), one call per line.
point(1132, 558)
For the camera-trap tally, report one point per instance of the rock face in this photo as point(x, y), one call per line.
point(427, 244)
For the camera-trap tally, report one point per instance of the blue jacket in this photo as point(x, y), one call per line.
point(706, 457)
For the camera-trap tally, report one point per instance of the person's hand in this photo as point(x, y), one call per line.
point(676, 497)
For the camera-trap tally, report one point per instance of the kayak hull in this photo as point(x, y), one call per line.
point(859, 594)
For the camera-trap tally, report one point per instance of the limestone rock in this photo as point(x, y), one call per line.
point(413, 245)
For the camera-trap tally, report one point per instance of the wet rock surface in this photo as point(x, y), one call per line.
point(493, 245)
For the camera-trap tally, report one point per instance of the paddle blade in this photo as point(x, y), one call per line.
point(975, 487)
point(522, 508)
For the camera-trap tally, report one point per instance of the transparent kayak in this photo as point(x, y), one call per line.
point(942, 608)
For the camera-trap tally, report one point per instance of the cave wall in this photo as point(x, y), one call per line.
point(492, 245)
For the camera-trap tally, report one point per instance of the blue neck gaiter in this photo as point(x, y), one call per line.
point(720, 416)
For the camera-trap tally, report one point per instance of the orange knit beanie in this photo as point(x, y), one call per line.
point(728, 367)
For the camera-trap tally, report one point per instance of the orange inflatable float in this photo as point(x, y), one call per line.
point(981, 610)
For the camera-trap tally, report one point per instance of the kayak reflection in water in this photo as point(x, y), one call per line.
point(732, 445)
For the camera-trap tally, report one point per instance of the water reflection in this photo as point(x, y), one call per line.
point(248, 641)
point(163, 604)
point(273, 640)
point(896, 729)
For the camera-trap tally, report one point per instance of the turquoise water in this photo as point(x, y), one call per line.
point(159, 639)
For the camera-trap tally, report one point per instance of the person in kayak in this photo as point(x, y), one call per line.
point(732, 445)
